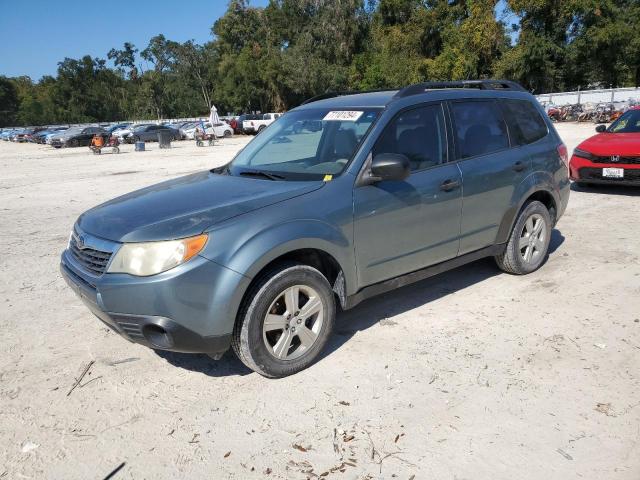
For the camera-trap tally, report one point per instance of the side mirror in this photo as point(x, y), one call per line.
point(601, 128)
point(389, 166)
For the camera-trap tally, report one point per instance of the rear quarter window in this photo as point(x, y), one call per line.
point(525, 123)
point(480, 128)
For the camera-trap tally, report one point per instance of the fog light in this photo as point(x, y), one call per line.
point(157, 336)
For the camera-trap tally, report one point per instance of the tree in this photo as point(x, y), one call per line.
point(8, 102)
point(275, 57)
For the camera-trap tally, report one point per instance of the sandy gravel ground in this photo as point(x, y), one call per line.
point(473, 374)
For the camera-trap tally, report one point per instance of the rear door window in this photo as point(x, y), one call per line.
point(525, 123)
point(419, 133)
point(479, 128)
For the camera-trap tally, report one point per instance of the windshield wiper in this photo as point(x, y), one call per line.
point(262, 173)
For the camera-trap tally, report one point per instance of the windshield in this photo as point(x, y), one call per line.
point(306, 144)
point(629, 122)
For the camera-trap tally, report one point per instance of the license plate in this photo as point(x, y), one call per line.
point(613, 172)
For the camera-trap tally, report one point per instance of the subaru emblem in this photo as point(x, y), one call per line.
point(615, 158)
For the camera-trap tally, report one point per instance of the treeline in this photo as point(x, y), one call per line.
point(273, 58)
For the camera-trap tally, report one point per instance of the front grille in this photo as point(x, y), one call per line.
point(95, 261)
point(589, 173)
point(621, 161)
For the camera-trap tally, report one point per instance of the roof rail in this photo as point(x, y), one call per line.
point(480, 84)
point(326, 95)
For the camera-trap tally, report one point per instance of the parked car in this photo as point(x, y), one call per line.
point(41, 136)
point(125, 135)
point(49, 136)
point(149, 133)
point(118, 126)
point(22, 135)
point(7, 134)
point(177, 126)
point(256, 126)
point(395, 187)
point(612, 156)
point(241, 119)
point(76, 137)
point(221, 130)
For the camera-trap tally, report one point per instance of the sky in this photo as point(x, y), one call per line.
point(36, 35)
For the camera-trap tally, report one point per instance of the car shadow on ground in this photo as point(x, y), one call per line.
point(365, 315)
point(604, 189)
point(229, 365)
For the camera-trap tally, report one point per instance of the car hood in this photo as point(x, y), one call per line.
point(603, 144)
point(185, 206)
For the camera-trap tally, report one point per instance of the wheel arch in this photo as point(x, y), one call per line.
point(538, 189)
point(317, 258)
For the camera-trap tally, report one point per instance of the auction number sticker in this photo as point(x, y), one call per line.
point(343, 115)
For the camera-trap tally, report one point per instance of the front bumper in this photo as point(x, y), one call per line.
point(583, 170)
point(188, 309)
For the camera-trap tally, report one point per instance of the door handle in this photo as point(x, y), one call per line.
point(449, 185)
point(519, 166)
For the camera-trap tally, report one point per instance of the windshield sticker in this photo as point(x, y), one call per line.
point(343, 116)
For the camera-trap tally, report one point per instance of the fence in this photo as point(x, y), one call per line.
point(592, 96)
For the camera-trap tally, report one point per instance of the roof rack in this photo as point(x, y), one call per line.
point(479, 84)
point(326, 95)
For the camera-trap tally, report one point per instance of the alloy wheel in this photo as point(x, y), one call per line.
point(532, 238)
point(293, 322)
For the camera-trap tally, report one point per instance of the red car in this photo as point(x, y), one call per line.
point(612, 156)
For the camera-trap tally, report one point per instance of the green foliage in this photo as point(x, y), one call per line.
point(8, 102)
point(273, 58)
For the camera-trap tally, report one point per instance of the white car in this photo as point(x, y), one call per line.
point(220, 129)
point(256, 126)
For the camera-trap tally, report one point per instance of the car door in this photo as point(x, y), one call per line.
point(491, 169)
point(403, 226)
point(150, 133)
point(86, 135)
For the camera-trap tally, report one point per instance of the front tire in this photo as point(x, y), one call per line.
point(528, 244)
point(285, 321)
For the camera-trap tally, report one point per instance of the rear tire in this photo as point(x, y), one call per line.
point(285, 321)
point(528, 243)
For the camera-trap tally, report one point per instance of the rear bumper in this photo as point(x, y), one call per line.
point(583, 170)
point(188, 312)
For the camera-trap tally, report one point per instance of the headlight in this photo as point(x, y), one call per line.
point(584, 154)
point(150, 258)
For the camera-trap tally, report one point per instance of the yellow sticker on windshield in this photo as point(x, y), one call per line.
point(327, 178)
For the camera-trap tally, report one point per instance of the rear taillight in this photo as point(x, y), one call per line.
point(563, 154)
